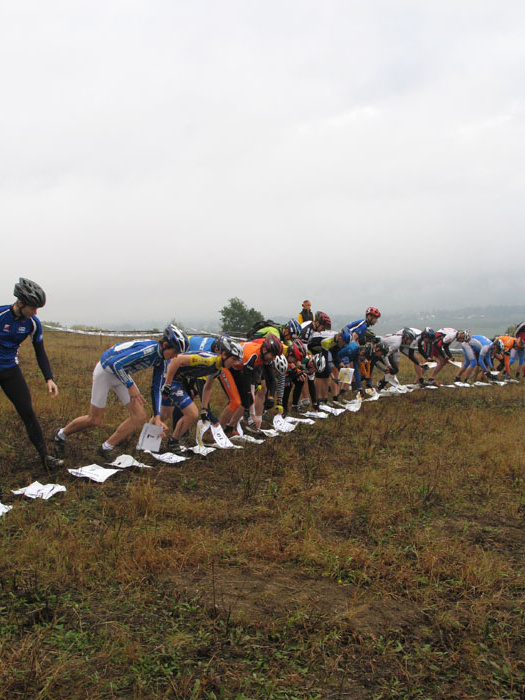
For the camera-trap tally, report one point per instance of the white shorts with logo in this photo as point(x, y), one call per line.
point(103, 381)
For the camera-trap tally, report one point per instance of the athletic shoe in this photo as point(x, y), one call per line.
point(188, 441)
point(108, 455)
point(252, 430)
point(174, 446)
point(52, 463)
point(231, 432)
point(58, 443)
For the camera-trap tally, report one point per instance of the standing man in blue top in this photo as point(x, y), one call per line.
point(114, 372)
point(17, 322)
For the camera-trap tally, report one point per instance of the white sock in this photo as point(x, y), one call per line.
point(61, 434)
point(107, 446)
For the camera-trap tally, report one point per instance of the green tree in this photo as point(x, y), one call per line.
point(510, 330)
point(237, 318)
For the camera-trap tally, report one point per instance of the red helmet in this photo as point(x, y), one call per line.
point(324, 319)
point(272, 344)
point(298, 350)
point(373, 312)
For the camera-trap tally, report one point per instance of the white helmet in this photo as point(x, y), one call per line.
point(319, 361)
point(281, 364)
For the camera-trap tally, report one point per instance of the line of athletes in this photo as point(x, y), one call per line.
point(277, 361)
point(302, 360)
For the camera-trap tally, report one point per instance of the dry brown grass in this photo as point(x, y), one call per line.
point(379, 555)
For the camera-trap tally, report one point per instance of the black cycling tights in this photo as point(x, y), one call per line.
point(14, 385)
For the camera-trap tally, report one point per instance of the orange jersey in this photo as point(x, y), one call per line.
point(364, 368)
point(251, 354)
point(509, 343)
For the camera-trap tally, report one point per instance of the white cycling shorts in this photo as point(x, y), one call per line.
point(103, 381)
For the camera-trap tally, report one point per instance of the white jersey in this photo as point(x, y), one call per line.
point(449, 335)
point(394, 341)
point(413, 344)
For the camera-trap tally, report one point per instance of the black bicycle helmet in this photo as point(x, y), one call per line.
point(29, 293)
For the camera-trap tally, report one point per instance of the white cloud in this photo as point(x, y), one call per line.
point(168, 155)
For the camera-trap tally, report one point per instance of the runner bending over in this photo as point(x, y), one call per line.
point(477, 351)
point(114, 372)
point(405, 342)
point(513, 348)
point(441, 348)
point(187, 366)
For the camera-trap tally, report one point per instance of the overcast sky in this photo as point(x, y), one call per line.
point(158, 157)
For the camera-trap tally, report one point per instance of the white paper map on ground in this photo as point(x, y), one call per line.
point(38, 490)
point(248, 438)
point(94, 472)
point(449, 386)
point(353, 406)
point(167, 457)
point(125, 461)
point(4, 509)
point(462, 384)
point(315, 414)
point(483, 383)
point(429, 365)
point(331, 409)
point(282, 425)
point(222, 439)
point(305, 421)
point(201, 450)
point(456, 364)
point(346, 375)
point(431, 387)
point(373, 397)
point(270, 432)
point(391, 391)
point(150, 438)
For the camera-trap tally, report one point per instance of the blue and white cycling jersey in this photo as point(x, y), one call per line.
point(13, 331)
point(477, 351)
point(201, 343)
point(125, 359)
point(358, 327)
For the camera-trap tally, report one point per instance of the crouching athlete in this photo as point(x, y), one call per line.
point(114, 372)
point(188, 365)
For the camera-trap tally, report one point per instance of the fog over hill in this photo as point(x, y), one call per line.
point(487, 320)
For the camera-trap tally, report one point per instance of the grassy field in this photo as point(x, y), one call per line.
point(376, 555)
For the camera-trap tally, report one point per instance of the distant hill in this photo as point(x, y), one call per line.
point(488, 320)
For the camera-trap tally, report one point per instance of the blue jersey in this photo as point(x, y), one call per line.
point(13, 331)
point(477, 351)
point(201, 343)
point(350, 354)
point(358, 327)
point(125, 359)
